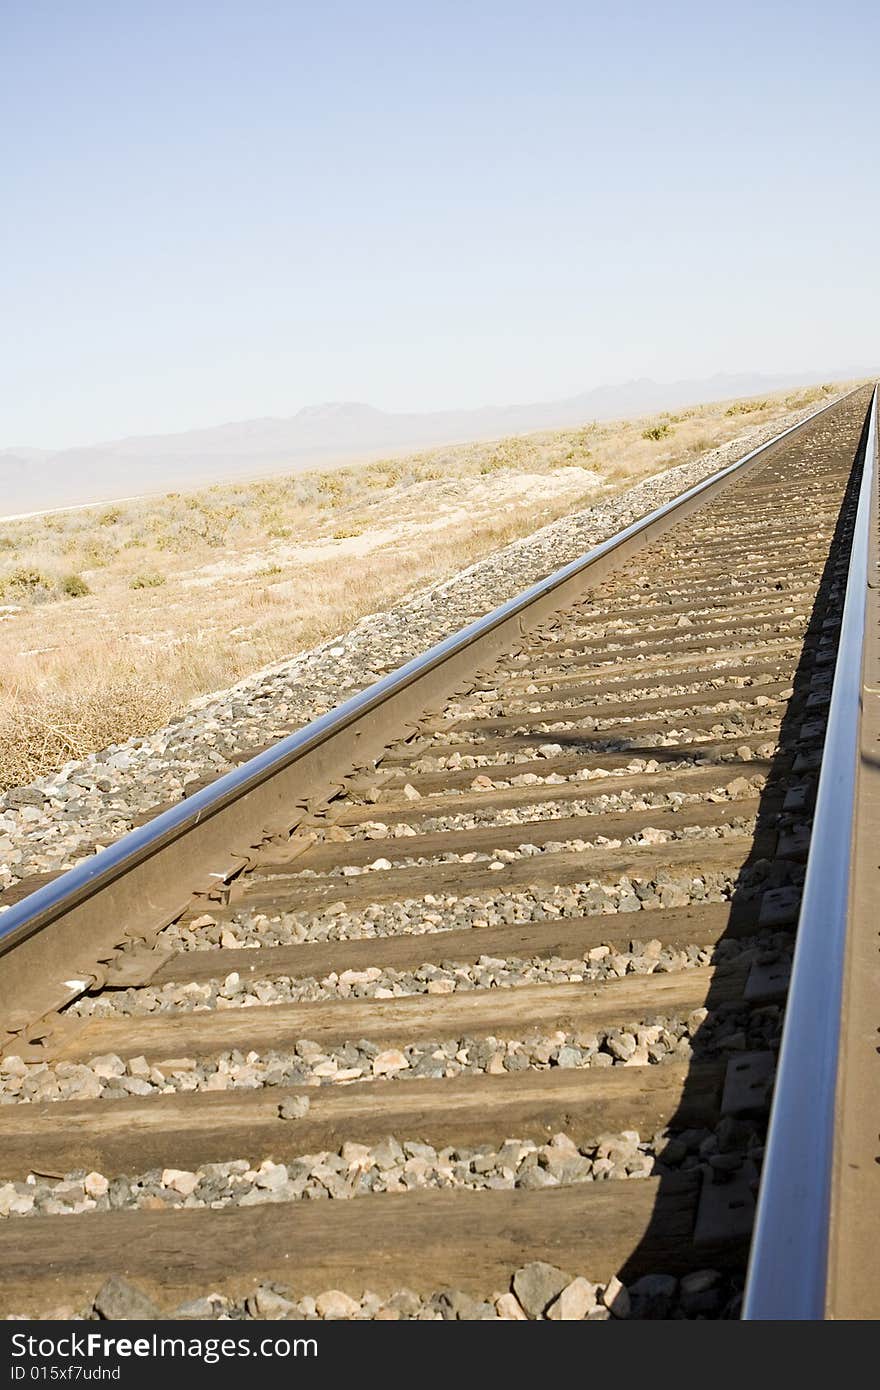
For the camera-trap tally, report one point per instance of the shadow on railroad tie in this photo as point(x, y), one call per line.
point(599, 744)
point(704, 1212)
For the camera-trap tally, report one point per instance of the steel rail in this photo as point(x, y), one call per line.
point(267, 788)
point(788, 1264)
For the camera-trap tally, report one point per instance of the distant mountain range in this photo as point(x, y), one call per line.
point(37, 479)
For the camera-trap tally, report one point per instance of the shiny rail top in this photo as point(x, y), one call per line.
point(788, 1268)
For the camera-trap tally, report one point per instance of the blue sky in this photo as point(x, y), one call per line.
point(216, 209)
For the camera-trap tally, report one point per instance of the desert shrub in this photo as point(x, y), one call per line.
point(73, 586)
point(332, 486)
point(146, 581)
point(656, 432)
point(25, 584)
point(24, 578)
point(28, 582)
point(746, 407)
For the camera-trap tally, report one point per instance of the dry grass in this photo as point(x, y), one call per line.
point(41, 729)
point(111, 619)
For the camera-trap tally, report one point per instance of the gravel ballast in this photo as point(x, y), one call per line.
point(394, 1165)
point(731, 1028)
point(438, 912)
point(356, 1170)
point(536, 1291)
point(603, 962)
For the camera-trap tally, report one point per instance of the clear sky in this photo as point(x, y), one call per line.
point(217, 209)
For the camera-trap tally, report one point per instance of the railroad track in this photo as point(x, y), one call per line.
point(467, 997)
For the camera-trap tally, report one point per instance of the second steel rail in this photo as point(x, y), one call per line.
point(788, 1267)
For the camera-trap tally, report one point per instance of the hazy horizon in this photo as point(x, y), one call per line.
point(330, 435)
point(754, 381)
